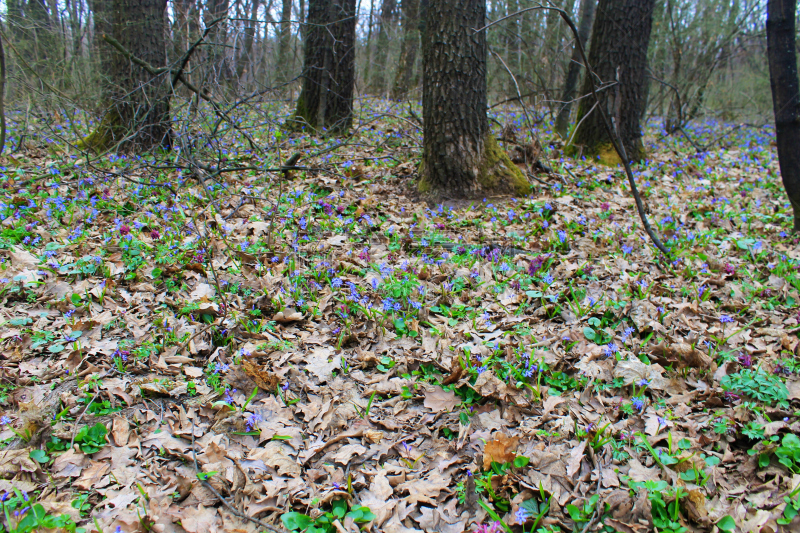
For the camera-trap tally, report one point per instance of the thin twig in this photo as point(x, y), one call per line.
point(80, 417)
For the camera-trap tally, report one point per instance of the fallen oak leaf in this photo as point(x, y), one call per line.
point(438, 400)
point(501, 449)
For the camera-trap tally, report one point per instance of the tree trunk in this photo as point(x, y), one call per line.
point(2, 97)
point(326, 99)
point(382, 50)
point(620, 36)
point(368, 44)
point(782, 56)
point(461, 158)
point(284, 64)
point(574, 68)
point(137, 116)
point(218, 38)
point(408, 49)
point(249, 37)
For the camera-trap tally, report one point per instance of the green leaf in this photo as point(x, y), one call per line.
point(726, 523)
point(339, 508)
point(521, 461)
point(55, 348)
point(76, 299)
point(205, 476)
point(589, 334)
point(574, 513)
point(295, 521)
point(40, 456)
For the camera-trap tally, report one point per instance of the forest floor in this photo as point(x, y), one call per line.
point(324, 350)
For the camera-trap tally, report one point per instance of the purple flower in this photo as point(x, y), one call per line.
point(521, 515)
point(643, 382)
point(745, 360)
point(253, 420)
point(610, 349)
point(725, 319)
point(638, 403)
point(492, 527)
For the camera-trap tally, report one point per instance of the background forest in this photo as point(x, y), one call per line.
point(332, 266)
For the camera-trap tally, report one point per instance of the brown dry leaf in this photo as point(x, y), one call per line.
point(322, 362)
point(69, 464)
point(287, 315)
point(13, 462)
point(21, 258)
point(120, 431)
point(633, 371)
point(437, 400)
point(198, 520)
point(379, 499)
point(344, 454)
point(501, 449)
point(639, 472)
point(266, 381)
point(425, 490)
point(575, 458)
point(92, 476)
point(277, 455)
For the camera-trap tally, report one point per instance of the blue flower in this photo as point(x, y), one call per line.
point(336, 282)
point(638, 403)
point(725, 319)
point(610, 349)
point(521, 515)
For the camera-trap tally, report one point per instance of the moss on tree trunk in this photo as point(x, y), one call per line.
point(461, 157)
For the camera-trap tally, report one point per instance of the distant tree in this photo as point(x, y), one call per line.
point(284, 70)
point(461, 158)
point(2, 97)
point(137, 104)
point(386, 23)
point(782, 55)
point(586, 17)
point(217, 41)
point(326, 99)
point(618, 55)
point(408, 49)
point(246, 59)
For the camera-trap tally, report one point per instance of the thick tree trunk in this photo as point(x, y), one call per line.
point(408, 49)
point(782, 56)
point(284, 63)
point(461, 158)
point(620, 36)
point(137, 117)
point(388, 8)
point(326, 100)
point(575, 66)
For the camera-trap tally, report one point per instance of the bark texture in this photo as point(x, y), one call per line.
point(284, 61)
point(326, 99)
point(586, 16)
point(137, 115)
point(461, 159)
point(388, 8)
point(408, 49)
point(620, 37)
point(782, 55)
